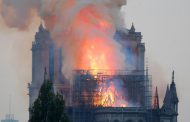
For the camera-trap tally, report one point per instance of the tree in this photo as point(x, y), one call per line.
point(48, 107)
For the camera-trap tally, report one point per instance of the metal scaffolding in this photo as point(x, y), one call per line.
point(137, 87)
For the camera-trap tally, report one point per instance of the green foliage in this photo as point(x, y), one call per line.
point(48, 107)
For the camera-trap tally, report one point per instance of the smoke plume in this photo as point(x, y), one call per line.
point(83, 28)
point(18, 13)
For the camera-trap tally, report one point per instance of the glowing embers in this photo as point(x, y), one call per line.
point(109, 93)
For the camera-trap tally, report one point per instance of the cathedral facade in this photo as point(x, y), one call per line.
point(46, 55)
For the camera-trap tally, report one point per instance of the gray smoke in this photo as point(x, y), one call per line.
point(61, 19)
point(18, 13)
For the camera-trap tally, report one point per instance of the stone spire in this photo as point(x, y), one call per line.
point(171, 100)
point(167, 97)
point(173, 92)
point(166, 107)
point(41, 28)
point(156, 100)
point(132, 28)
point(173, 76)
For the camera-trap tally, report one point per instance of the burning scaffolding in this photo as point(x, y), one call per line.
point(109, 88)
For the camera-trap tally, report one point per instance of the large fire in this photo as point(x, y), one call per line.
point(84, 29)
point(97, 46)
point(86, 33)
point(108, 95)
point(98, 51)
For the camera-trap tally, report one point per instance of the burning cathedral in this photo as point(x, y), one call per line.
point(98, 95)
point(98, 67)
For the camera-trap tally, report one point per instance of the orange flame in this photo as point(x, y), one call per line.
point(98, 51)
point(109, 96)
point(88, 43)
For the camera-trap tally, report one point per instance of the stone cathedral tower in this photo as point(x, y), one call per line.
point(45, 55)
